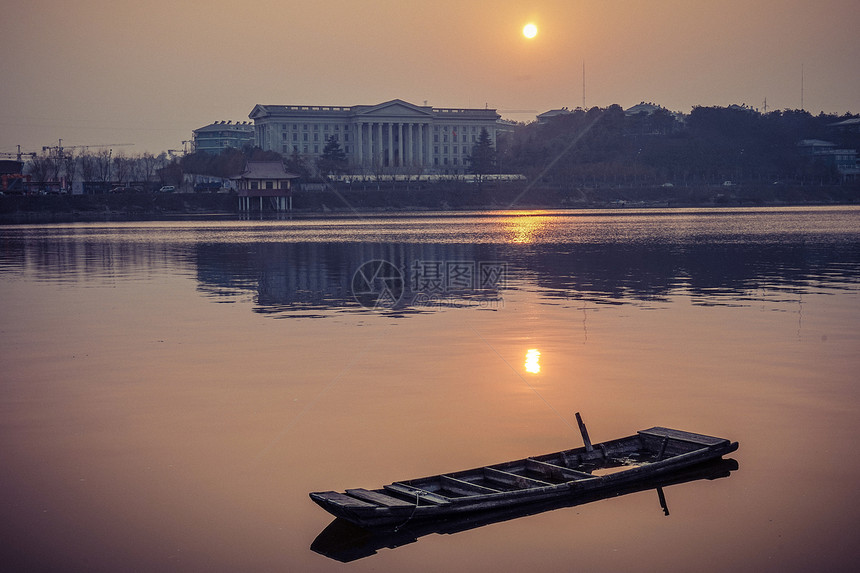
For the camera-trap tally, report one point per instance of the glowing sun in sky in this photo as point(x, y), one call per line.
point(530, 30)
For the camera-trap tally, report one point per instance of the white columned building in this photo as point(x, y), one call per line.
point(395, 136)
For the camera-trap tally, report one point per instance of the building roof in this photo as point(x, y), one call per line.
point(553, 113)
point(646, 108)
point(846, 122)
point(397, 107)
point(815, 143)
point(242, 126)
point(265, 170)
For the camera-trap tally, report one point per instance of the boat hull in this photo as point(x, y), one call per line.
point(564, 475)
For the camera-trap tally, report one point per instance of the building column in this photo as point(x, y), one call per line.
point(390, 154)
point(370, 143)
point(429, 146)
point(421, 144)
point(380, 144)
point(409, 144)
point(400, 145)
point(359, 144)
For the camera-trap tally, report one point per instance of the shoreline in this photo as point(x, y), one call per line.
point(434, 199)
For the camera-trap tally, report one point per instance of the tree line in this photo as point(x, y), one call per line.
point(606, 147)
point(595, 147)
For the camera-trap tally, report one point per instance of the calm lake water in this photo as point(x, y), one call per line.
point(171, 392)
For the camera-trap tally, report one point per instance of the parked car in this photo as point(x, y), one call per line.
point(168, 189)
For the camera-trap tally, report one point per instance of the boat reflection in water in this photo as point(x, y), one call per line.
point(345, 542)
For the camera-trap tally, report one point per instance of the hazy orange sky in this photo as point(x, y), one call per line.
point(106, 71)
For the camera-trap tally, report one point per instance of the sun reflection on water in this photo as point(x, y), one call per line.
point(525, 228)
point(533, 361)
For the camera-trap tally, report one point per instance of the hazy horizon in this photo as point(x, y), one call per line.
point(92, 72)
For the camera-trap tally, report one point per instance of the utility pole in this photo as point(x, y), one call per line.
point(801, 87)
point(583, 84)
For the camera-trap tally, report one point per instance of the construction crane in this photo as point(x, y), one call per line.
point(59, 149)
point(19, 154)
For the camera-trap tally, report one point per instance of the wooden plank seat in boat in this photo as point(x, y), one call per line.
point(510, 479)
point(463, 487)
point(423, 495)
point(554, 471)
point(379, 498)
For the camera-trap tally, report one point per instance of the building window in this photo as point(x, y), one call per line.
point(255, 185)
point(316, 127)
point(270, 185)
point(295, 149)
point(305, 137)
point(305, 126)
point(295, 137)
point(337, 128)
point(346, 149)
point(316, 137)
point(346, 137)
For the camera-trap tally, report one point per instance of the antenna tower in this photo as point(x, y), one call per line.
point(583, 84)
point(801, 87)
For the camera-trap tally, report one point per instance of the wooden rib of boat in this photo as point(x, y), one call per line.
point(566, 474)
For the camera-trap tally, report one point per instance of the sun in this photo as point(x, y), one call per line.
point(530, 30)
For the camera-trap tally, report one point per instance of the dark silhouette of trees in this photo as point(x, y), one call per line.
point(333, 160)
point(598, 147)
point(482, 161)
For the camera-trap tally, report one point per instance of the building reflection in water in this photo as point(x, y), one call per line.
point(315, 278)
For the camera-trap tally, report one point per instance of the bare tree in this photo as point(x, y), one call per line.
point(102, 161)
point(122, 167)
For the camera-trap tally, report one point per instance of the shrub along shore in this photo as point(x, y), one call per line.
point(142, 206)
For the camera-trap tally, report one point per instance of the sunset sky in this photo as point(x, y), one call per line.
point(98, 72)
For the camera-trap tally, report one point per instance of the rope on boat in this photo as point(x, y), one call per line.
point(414, 509)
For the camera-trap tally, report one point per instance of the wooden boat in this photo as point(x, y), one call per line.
point(566, 474)
point(344, 541)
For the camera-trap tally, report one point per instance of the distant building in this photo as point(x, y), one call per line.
point(553, 113)
point(12, 176)
point(267, 181)
point(219, 136)
point(843, 160)
point(642, 108)
point(396, 135)
point(851, 125)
